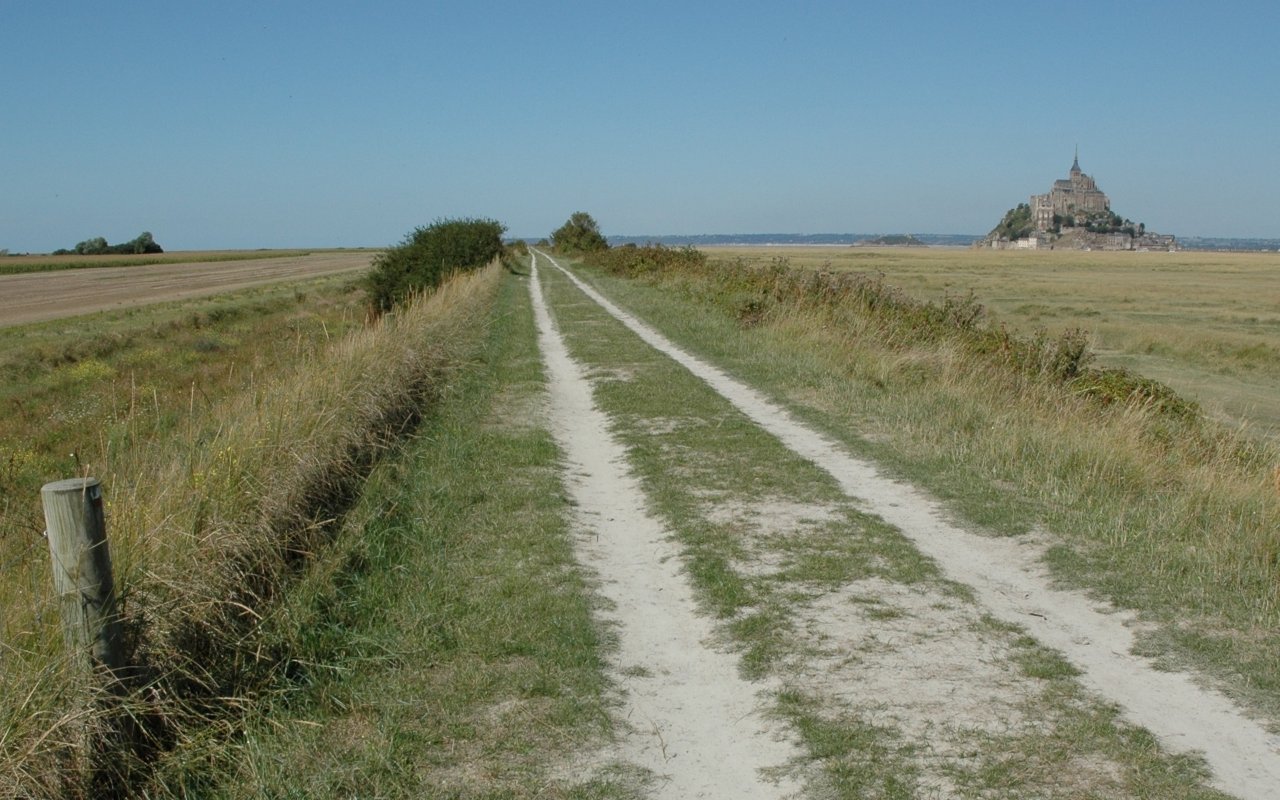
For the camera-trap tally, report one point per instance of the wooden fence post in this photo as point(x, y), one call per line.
point(82, 570)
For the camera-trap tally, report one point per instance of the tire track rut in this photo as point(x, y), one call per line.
point(694, 724)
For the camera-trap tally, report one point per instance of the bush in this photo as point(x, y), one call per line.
point(580, 234)
point(632, 261)
point(429, 255)
point(1110, 385)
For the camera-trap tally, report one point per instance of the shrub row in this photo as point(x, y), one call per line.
point(749, 292)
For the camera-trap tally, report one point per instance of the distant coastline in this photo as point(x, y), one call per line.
point(793, 239)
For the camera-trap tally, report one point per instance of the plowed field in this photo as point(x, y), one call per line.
point(38, 296)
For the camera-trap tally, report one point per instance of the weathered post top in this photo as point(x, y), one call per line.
point(70, 485)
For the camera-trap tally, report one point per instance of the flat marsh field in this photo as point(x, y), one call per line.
point(1207, 324)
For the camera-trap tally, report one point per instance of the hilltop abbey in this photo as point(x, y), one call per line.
point(1074, 214)
point(1077, 194)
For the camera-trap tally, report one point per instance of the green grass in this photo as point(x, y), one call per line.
point(437, 638)
point(446, 643)
point(788, 565)
point(858, 759)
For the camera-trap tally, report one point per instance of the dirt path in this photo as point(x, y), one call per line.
point(693, 722)
point(1010, 582)
point(38, 296)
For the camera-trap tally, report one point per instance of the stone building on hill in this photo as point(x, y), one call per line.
point(1076, 196)
point(1075, 214)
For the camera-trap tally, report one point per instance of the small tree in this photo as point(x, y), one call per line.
point(92, 247)
point(145, 243)
point(580, 234)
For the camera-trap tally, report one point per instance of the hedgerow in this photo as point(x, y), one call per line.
point(429, 255)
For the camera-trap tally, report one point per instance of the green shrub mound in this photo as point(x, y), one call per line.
point(429, 255)
point(579, 234)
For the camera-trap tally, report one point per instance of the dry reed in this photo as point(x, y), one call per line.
point(207, 528)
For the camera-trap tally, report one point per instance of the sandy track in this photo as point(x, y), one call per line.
point(1010, 581)
point(39, 296)
point(693, 722)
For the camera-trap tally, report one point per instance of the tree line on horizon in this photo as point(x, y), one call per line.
point(141, 244)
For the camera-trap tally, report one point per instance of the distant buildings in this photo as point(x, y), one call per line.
point(1075, 214)
point(1077, 196)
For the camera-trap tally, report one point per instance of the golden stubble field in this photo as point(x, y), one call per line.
point(37, 296)
point(1207, 324)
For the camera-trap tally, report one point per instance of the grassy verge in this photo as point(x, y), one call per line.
point(894, 681)
point(108, 387)
point(1163, 513)
point(446, 640)
point(1204, 323)
point(67, 384)
point(15, 265)
point(208, 523)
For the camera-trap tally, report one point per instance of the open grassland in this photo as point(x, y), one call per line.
point(15, 265)
point(231, 434)
point(1207, 324)
point(1157, 509)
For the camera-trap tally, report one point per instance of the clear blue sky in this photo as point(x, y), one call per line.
point(280, 123)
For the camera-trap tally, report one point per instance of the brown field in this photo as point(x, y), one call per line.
point(41, 261)
point(1207, 324)
point(37, 296)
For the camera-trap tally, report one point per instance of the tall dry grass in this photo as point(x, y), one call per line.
point(1204, 323)
point(207, 528)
